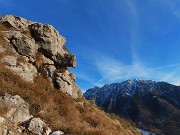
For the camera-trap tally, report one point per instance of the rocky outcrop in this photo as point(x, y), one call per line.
point(38, 49)
point(15, 118)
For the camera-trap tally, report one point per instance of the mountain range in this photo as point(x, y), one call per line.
point(151, 105)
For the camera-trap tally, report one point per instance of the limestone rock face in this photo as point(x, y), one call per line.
point(65, 81)
point(49, 40)
point(43, 51)
point(27, 71)
point(24, 45)
point(15, 22)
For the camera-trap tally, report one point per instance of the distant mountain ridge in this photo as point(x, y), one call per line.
point(129, 88)
point(150, 104)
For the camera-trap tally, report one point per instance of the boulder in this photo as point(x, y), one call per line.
point(17, 108)
point(57, 133)
point(37, 126)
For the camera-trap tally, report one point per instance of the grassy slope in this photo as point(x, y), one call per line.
point(57, 109)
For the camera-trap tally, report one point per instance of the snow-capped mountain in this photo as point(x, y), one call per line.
point(129, 88)
point(150, 104)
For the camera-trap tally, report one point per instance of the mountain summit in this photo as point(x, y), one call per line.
point(152, 105)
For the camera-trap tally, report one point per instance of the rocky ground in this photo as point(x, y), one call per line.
point(15, 118)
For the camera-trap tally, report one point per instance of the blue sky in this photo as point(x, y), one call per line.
point(114, 40)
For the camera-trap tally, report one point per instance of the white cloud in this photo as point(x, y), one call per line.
point(84, 77)
point(113, 70)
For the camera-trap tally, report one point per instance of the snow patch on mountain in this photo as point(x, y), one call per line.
point(129, 88)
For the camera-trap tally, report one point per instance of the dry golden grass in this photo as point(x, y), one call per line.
point(58, 110)
point(2, 40)
point(3, 111)
point(38, 60)
point(3, 27)
point(27, 33)
point(21, 60)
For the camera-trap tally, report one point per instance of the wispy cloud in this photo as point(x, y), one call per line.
point(84, 77)
point(134, 34)
point(113, 70)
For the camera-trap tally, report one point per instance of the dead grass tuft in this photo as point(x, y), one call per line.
point(3, 111)
point(38, 60)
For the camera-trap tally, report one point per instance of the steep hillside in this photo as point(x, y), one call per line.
point(152, 105)
point(34, 63)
